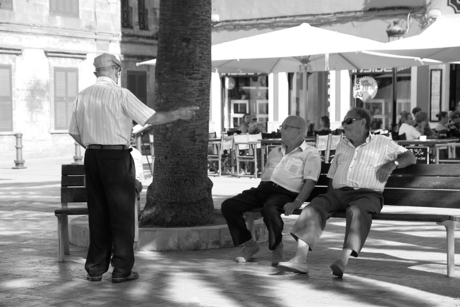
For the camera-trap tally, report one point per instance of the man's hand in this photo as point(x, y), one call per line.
point(290, 207)
point(186, 113)
point(385, 170)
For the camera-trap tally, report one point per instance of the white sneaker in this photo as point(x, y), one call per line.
point(247, 253)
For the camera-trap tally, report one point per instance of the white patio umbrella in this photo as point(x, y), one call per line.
point(304, 46)
point(437, 42)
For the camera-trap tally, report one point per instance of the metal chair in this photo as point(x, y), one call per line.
point(249, 143)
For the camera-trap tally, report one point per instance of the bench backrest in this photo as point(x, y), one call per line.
point(73, 184)
point(418, 185)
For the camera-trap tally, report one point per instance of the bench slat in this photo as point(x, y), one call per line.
point(408, 217)
point(71, 211)
point(422, 198)
point(424, 182)
point(73, 195)
point(443, 170)
point(68, 181)
point(72, 169)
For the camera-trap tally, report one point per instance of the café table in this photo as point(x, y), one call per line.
point(428, 142)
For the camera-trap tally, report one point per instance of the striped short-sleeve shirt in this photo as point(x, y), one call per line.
point(357, 167)
point(290, 170)
point(103, 114)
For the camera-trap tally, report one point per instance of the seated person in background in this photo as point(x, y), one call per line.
point(454, 127)
point(423, 126)
point(415, 111)
point(256, 128)
point(244, 127)
point(441, 127)
point(406, 125)
point(358, 173)
point(324, 127)
point(290, 175)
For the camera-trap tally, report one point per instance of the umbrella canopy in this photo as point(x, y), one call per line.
point(303, 47)
point(437, 42)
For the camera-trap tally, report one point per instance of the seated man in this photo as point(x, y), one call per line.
point(288, 178)
point(361, 166)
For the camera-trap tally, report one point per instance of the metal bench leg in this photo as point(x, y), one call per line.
point(250, 223)
point(60, 239)
point(136, 224)
point(450, 236)
point(65, 233)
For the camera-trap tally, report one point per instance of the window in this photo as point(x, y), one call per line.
point(143, 14)
point(64, 7)
point(137, 84)
point(126, 14)
point(6, 4)
point(65, 92)
point(6, 99)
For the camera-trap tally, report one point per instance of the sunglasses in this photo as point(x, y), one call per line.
point(350, 121)
point(285, 127)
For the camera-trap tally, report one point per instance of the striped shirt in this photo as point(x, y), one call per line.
point(357, 167)
point(290, 170)
point(103, 114)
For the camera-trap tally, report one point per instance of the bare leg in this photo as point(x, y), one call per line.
point(345, 255)
point(298, 263)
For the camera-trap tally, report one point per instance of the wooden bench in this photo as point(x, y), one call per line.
point(417, 186)
point(73, 191)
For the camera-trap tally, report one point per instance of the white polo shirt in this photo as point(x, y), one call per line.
point(290, 170)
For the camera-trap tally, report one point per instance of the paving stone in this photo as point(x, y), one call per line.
point(402, 264)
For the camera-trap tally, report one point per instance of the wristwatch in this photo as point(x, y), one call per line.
point(396, 163)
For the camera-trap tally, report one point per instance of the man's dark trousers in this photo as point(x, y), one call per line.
point(268, 196)
point(110, 185)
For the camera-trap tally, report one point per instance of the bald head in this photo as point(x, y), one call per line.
point(297, 121)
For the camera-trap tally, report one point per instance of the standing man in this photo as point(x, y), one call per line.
point(102, 122)
point(358, 174)
point(289, 177)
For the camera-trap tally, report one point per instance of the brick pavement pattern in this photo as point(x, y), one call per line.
point(402, 264)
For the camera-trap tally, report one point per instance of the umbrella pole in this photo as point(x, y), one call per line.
point(395, 98)
point(305, 92)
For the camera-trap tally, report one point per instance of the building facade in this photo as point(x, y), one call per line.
point(328, 93)
point(47, 48)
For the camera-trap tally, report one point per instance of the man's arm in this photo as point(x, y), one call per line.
point(77, 139)
point(404, 159)
point(160, 118)
point(307, 187)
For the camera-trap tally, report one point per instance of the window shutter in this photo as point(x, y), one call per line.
point(6, 99)
point(66, 90)
point(137, 84)
point(6, 4)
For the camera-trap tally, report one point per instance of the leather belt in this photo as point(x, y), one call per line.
point(108, 147)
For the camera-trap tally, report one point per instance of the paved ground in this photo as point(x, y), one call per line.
point(402, 264)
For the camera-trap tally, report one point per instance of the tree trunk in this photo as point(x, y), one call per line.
point(180, 194)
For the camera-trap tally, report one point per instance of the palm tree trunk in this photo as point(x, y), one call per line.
point(180, 194)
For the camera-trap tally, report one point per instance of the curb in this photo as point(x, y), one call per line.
point(171, 239)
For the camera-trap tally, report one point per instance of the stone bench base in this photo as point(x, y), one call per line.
point(171, 239)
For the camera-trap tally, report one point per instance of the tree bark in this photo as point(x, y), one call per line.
point(180, 194)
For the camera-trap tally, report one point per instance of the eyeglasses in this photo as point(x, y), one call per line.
point(349, 121)
point(285, 127)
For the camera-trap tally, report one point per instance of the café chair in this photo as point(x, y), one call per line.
point(402, 137)
point(215, 155)
point(245, 148)
point(446, 153)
